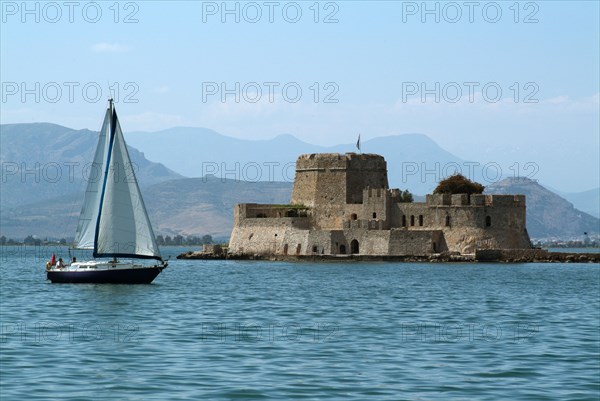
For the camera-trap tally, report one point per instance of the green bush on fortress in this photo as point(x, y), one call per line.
point(458, 184)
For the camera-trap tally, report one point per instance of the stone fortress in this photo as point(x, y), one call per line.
point(341, 205)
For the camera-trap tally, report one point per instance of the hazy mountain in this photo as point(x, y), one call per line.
point(415, 162)
point(548, 215)
point(587, 201)
point(198, 206)
point(43, 171)
point(188, 206)
point(41, 161)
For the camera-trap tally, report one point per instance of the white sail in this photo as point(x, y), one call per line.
point(86, 227)
point(123, 226)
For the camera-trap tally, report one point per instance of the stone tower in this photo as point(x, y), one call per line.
point(326, 182)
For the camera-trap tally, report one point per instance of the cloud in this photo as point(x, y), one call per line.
point(104, 47)
point(162, 89)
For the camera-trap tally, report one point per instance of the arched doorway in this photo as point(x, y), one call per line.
point(354, 247)
point(343, 249)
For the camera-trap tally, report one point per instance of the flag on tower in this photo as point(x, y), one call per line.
point(358, 143)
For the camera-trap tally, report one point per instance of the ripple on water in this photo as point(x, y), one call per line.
point(256, 330)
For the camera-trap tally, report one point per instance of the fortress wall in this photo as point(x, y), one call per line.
point(356, 209)
point(478, 200)
point(268, 240)
point(327, 182)
point(252, 235)
point(321, 240)
point(371, 242)
point(437, 199)
point(313, 173)
point(256, 215)
point(320, 183)
point(459, 200)
point(264, 211)
point(416, 242)
point(409, 209)
point(364, 171)
point(468, 227)
point(376, 205)
point(335, 187)
point(503, 200)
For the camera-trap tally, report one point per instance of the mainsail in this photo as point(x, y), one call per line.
point(121, 226)
point(86, 228)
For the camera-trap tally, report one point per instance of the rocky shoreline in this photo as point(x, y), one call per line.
point(487, 255)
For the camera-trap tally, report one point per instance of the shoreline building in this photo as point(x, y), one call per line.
point(341, 204)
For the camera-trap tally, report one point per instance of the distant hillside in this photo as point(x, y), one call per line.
point(194, 152)
point(43, 168)
point(587, 201)
point(548, 215)
point(188, 206)
point(198, 206)
point(195, 206)
point(41, 161)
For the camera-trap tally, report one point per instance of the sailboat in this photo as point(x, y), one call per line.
point(113, 221)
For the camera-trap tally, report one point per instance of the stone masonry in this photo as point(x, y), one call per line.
point(341, 204)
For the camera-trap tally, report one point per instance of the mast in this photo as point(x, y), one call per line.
point(112, 117)
point(123, 227)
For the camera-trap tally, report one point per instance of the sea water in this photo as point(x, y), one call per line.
point(237, 330)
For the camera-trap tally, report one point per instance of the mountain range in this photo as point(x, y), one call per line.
point(414, 161)
point(44, 173)
point(41, 161)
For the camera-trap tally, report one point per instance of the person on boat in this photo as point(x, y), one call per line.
point(73, 260)
point(60, 263)
point(52, 262)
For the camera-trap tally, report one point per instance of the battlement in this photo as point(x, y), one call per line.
point(259, 211)
point(374, 192)
point(475, 200)
point(316, 160)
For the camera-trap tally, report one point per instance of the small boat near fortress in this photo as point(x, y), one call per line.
point(113, 222)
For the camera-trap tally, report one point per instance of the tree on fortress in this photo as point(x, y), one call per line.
point(458, 184)
point(406, 196)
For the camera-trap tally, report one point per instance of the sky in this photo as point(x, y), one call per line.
point(506, 82)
